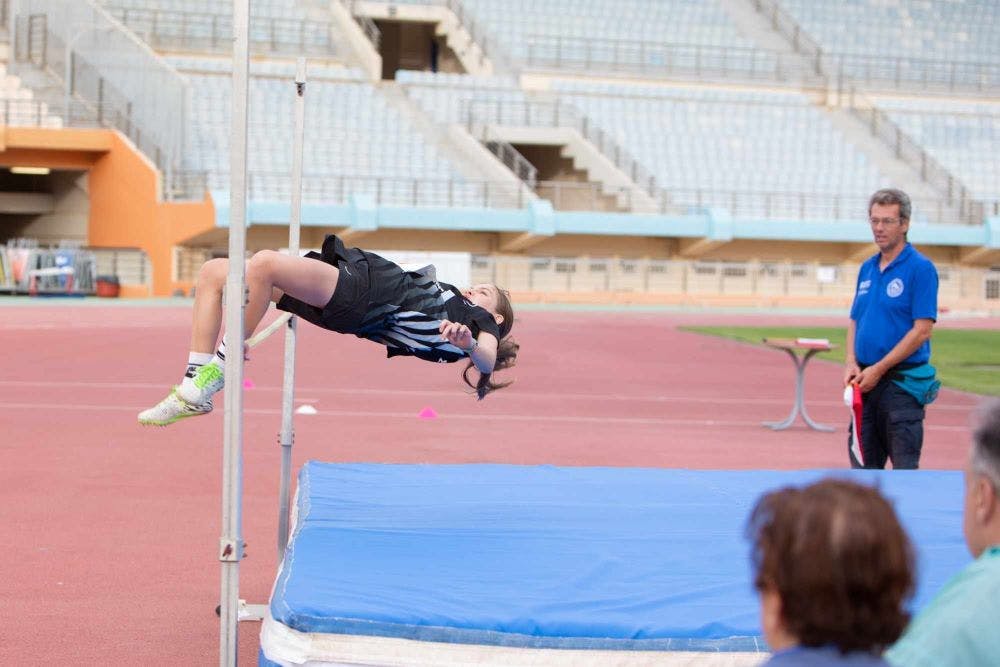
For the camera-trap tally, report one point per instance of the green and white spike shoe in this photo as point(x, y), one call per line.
point(173, 408)
point(207, 380)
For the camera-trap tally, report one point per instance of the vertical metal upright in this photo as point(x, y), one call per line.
point(287, 435)
point(231, 542)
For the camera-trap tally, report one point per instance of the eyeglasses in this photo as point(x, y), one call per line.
point(888, 222)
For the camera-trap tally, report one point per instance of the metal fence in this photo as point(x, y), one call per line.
point(513, 160)
point(131, 266)
point(28, 113)
point(912, 74)
point(786, 25)
point(264, 186)
point(29, 268)
point(905, 148)
point(892, 72)
point(480, 114)
point(488, 46)
point(576, 196)
point(202, 31)
point(710, 278)
point(661, 59)
point(105, 67)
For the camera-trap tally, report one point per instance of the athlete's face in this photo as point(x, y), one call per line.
point(485, 296)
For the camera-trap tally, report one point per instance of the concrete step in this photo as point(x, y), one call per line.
point(755, 26)
point(468, 156)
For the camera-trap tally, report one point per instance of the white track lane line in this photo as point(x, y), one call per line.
point(460, 416)
point(556, 396)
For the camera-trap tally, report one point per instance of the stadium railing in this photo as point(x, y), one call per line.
point(480, 114)
point(914, 74)
point(390, 191)
point(86, 49)
point(910, 151)
point(878, 71)
point(658, 59)
point(202, 31)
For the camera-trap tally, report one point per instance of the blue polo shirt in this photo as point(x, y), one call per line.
point(886, 303)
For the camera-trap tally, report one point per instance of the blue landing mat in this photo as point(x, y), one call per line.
point(552, 557)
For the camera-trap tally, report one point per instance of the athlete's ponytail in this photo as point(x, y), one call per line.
point(506, 357)
point(506, 350)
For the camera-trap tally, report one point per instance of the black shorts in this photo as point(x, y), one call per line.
point(347, 307)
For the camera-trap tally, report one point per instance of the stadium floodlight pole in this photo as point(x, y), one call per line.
point(287, 435)
point(231, 542)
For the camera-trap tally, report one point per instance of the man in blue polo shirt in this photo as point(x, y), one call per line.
point(888, 339)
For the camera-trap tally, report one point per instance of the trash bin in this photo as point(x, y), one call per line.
point(108, 286)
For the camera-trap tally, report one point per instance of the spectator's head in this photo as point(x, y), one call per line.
point(832, 566)
point(889, 197)
point(982, 482)
point(889, 214)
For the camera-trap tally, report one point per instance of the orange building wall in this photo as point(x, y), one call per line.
point(126, 210)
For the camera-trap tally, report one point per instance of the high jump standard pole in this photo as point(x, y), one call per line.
point(231, 542)
point(287, 435)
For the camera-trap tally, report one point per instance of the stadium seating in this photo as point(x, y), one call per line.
point(18, 106)
point(954, 31)
point(195, 26)
point(761, 153)
point(357, 142)
point(963, 136)
point(268, 8)
point(684, 22)
point(445, 96)
point(707, 147)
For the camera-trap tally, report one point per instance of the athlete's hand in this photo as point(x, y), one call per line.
point(456, 333)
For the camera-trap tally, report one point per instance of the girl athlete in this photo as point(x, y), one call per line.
point(352, 291)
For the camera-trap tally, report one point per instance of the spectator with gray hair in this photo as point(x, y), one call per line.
point(888, 340)
point(961, 625)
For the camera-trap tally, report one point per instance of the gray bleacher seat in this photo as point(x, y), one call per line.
point(359, 142)
point(961, 31)
point(963, 136)
point(520, 27)
point(445, 96)
point(703, 146)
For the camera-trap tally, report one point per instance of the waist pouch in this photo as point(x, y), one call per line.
point(918, 381)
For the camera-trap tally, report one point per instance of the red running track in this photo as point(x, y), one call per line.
point(111, 529)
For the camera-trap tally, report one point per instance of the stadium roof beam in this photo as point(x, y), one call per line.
point(978, 255)
point(699, 247)
point(859, 252)
point(522, 241)
point(352, 234)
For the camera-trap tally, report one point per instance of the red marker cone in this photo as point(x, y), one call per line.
point(428, 413)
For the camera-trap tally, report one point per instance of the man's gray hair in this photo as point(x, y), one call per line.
point(986, 443)
point(889, 196)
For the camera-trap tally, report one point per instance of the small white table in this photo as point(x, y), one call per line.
point(809, 348)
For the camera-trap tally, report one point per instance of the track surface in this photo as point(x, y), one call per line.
point(111, 529)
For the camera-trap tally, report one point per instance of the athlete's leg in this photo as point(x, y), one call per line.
point(268, 276)
point(206, 315)
point(271, 274)
point(308, 277)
